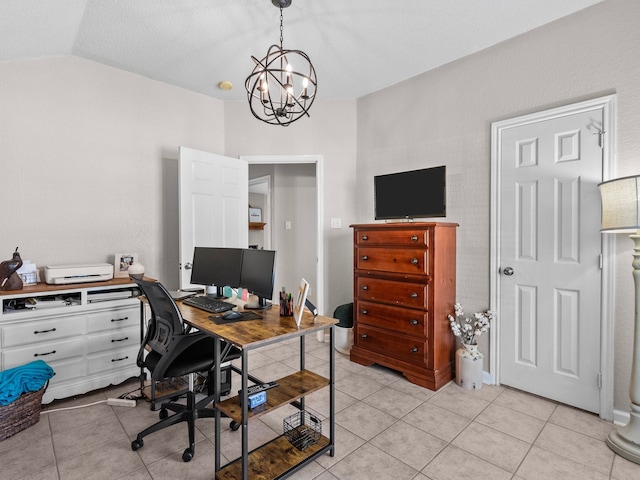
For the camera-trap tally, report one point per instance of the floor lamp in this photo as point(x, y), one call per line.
point(621, 213)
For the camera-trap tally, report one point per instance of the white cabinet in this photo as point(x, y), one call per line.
point(88, 333)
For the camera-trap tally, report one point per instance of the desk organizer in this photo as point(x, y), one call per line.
point(20, 414)
point(302, 429)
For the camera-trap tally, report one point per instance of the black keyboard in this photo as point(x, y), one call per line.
point(207, 304)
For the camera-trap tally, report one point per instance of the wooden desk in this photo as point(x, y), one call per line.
point(278, 457)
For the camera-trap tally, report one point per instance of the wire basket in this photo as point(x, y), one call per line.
point(302, 429)
point(20, 414)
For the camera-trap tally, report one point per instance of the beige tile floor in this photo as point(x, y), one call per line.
point(386, 428)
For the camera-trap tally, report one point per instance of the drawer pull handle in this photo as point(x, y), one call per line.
point(414, 350)
point(364, 335)
point(44, 331)
point(43, 354)
point(414, 322)
point(365, 238)
point(414, 238)
point(414, 261)
point(413, 295)
point(364, 312)
point(364, 258)
point(119, 359)
point(120, 339)
point(119, 319)
point(364, 287)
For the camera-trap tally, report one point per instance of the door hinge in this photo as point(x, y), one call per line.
point(601, 260)
point(599, 379)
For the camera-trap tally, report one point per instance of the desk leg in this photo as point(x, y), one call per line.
point(216, 398)
point(332, 399)
point(245, 416)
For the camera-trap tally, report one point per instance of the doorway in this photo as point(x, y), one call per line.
point(316, 254)
point(549, 267)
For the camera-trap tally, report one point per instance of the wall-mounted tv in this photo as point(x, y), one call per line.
point(412, 194)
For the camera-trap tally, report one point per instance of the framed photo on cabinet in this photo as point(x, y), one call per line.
point(122, 262)
point(255, 215)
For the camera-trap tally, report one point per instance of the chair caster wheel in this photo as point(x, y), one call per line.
point(136, 444)
point(187, 455)
point(163, 414)
point(234, 425)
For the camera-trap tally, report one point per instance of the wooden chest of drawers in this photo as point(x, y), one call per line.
point(404, 288)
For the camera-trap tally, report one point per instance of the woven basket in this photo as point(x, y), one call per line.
point(20, 414)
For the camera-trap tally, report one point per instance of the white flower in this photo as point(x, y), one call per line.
point(468, 328)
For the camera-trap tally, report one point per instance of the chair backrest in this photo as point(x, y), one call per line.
point(166, 321)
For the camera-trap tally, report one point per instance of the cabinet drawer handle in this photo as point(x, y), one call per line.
point(364, 287)
point(414, 261)
point(414, 238)
point(364, 312)
point(413, 295)
point(44, 331)
point(364, 335)
point(120, 339)
point(119, 319)
point(364, 238)
point(414, 322)
point(414, 350)
point(119, 359)
point(364, 258)
point(43, 354)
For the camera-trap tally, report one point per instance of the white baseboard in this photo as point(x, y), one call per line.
point(620, 417)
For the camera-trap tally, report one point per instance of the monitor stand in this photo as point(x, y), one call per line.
point(215, 292)
point(261, 304)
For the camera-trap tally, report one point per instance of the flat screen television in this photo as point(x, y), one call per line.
point(217, 266)
point(411, 194)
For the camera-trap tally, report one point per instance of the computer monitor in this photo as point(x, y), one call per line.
point(257, 275)
point(217, 266)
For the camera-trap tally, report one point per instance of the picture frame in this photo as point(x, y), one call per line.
point(255, 215)
point(301, 300)
point(122, 262)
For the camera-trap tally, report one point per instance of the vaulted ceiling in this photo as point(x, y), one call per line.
point(356, 46)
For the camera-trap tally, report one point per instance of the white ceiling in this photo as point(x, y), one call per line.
point(356, 46)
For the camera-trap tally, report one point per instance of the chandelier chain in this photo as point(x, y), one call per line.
point(281, 28)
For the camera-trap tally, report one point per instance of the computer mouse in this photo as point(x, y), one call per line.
point(231, 315)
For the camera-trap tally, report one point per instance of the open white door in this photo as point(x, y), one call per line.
point(214, 200)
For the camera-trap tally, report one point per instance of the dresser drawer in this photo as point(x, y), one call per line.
point(404, 294)
point(43, 330)
point(409, 237)
point(114, 339)
point(402, 347)
point(49, 352)
point(395, 319)
point(114, 319)
point(397, 260)
point(114, 360)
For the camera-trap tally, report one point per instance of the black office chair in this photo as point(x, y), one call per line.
point(172, 351)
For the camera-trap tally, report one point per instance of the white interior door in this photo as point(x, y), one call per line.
point(214, 201)
point(550, 256)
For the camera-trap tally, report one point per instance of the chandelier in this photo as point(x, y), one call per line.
point(282, 86)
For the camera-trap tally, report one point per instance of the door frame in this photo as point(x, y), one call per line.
point(318, 160)
point(608, 106)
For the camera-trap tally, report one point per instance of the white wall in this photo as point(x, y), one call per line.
point(444, 117)
point(88, 162)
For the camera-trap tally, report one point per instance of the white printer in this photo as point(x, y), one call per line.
point(63, 274)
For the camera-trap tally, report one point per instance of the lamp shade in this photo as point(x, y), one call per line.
point(620, 204)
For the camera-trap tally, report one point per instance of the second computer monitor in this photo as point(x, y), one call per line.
point(257, 275)
point(217, 266)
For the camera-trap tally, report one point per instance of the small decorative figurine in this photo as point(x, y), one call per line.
point(9, 279)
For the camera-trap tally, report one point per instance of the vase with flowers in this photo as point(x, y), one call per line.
point(469, 360)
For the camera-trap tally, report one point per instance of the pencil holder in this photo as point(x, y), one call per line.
point(286, 304)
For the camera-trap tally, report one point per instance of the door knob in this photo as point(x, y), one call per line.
point(508, 271)
point(188, 266)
